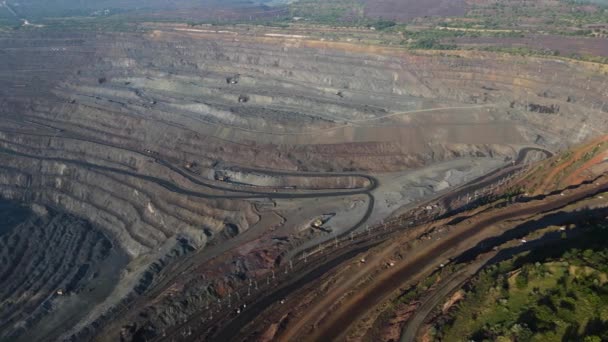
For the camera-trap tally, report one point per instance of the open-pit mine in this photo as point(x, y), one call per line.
point(174, 182)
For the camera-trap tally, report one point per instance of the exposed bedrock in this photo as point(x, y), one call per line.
point(128, 131)
point(365, 108)
point(54, 267)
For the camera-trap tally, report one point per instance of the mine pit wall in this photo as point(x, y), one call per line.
point(259, 179)
point(396, 79)
point(393, 79)
point(140, 214)
point(45, 293)
point(167, 93)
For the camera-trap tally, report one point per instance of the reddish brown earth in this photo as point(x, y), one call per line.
point(132, 141)
point(584, 172)
point(343, 302)
point(555, 179)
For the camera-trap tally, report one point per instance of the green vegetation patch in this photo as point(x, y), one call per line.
point(328, 12)
point(567, 15)
point(538, 297)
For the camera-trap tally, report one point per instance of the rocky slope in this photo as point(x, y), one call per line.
point(51, 263)
point(128, 131)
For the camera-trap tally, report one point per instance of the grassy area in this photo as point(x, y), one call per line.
point(557, 294)
point(565, 16)
point(328, 12)
point(499, 20)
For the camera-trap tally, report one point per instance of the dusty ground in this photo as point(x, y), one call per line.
point(345, 300)
point(133, 144)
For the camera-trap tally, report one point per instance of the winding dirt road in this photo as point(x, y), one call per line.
point(333, 326)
